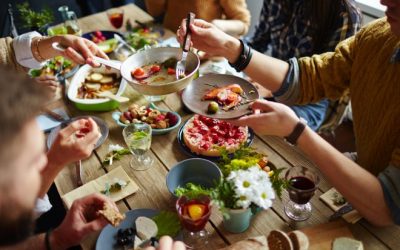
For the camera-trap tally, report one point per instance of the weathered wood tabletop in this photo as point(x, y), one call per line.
point(166, 153)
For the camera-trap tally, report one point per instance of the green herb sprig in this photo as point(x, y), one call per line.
point(115, 155)
point(33, 19)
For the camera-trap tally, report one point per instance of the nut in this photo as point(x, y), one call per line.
point(154, 113)
point(161, 124)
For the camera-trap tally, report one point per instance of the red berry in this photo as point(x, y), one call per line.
point(98, 33)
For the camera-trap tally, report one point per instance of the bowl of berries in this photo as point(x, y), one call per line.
point(161, 121)
point(104, 39)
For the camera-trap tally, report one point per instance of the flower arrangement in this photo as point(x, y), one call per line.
point(248, 182)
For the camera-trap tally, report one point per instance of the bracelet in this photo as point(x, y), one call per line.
point(47, 239)
point(297, 131)
point(244, 57)
point(35, 49)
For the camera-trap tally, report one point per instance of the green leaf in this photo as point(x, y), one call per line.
point(192, 191)
point(167, 223)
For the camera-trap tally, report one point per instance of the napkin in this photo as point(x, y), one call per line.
point(46, 122)
point(99, 184)
point(351, 217)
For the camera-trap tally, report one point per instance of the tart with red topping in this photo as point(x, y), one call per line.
point(204, 136)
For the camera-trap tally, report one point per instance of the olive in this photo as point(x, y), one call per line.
point(213, 107)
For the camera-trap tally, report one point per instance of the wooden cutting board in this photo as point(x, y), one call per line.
point(322, 236)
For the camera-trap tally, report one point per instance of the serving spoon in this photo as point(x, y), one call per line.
point(108, 94)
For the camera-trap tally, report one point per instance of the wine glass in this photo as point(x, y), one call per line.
point(116, 17)
point(194, 214)
point(302, 184)
point(137, 137)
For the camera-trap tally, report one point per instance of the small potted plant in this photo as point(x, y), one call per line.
point(248, 186)
point(35, 20)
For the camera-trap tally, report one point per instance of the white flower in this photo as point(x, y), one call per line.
point(252, 186)
point(264, 197)
point(114, 147)
point(243, 201)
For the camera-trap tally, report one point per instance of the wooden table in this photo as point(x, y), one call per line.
point(166, 153)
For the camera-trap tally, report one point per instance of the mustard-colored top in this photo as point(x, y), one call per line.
point(362, 63)
point(7, 56)
point(176, 10)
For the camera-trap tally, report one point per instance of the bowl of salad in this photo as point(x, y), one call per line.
point(66, 67)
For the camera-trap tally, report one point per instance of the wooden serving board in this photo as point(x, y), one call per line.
point(322, 236)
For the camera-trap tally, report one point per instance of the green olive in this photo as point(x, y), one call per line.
point(213, 107)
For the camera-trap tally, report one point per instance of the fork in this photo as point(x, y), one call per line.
point(181, 64)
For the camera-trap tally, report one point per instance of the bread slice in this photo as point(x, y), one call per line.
point(344, 243)
point(145, 228)
point(299, 240)
point(113, 216)
point(255, 243)
point(278, 240)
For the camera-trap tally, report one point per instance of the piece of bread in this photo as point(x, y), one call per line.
point(113, 216)
point(145, 228)
point(344, 243)
point(299, 240)
point(255, 243)
point(278, 240)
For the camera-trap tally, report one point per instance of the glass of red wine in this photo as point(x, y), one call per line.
point(302, 184)
point(193, 215)
point(116, 17)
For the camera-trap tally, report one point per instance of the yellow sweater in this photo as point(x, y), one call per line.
point(362, 63)
point(7, 56)
point(176, 10)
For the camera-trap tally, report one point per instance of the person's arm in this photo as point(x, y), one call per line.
point(156, 7)
point(361, 189)
point(79, 50)
point(81, 220)
point(237, 17)
point(357, 185)
point(268, 71)
point(69, 147)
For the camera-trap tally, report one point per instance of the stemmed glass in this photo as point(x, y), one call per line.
point(194, 214)
point(137, 137)
point(302, 184)
point(116, 17)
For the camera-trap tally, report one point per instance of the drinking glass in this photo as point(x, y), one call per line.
point(194, 214)
point(137, 137)
point(116, 17)
point(302, 184)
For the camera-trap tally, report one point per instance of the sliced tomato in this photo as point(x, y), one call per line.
point(155, 68)
point(171, 71)
point(139, 74)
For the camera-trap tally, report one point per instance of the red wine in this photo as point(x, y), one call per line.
point(301, 182)
point(301, 189)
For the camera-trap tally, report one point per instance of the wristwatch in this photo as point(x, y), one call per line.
point(297, 131)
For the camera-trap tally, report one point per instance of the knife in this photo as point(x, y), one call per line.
point(339, 213)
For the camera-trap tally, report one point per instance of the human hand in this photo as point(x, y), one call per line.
point(74, 142)
point(80, 50)
point(208, 38)
point(269, 118)
point(48, 81)
point(166, 243)
point(81, 220)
